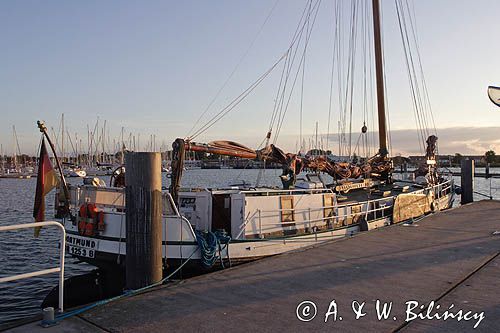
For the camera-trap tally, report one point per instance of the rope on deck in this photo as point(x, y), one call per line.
point(211, 245)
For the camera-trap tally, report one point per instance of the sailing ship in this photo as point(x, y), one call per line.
point(243, 223)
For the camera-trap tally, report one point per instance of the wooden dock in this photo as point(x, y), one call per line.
point(451, 258)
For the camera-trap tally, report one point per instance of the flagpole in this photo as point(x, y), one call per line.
point(43, 129)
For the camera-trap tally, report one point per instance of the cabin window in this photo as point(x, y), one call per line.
point(287, 213)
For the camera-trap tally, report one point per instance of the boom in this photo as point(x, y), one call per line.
point(376, 167)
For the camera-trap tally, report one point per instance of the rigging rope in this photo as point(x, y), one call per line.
point(421, 102)
point(277, 100)
point(353, 50)
point(235, 101)
point(302, 83)
point(228, 108)
point(364, 29)
point(413, 26)
point(301, 63)
point(334, 53)
point(235, 68)
point(294, 62)
point(340, 50)
point(348, 97)
point(278, 112)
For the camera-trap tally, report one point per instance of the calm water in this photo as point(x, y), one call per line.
point(20, 252)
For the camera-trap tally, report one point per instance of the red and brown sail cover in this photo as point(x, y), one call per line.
point(46, 181)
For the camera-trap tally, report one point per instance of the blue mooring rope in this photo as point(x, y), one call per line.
point(105, 301)
point(211, 246)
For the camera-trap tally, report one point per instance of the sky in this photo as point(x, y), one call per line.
point(153, 67)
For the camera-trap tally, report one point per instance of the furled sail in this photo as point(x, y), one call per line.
point(293, 164)
point(494, 95)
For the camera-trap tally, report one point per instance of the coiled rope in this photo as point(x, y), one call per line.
point(211, 245)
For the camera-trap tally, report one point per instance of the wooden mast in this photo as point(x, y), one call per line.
point(382, 132)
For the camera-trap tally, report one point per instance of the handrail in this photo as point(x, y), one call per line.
point(308, 221)
point(342, 216)
point(276, 212)
point(172, 203)
point(59, 269)
point(179, 215)
point(289, 191)
point(303, 210)
point(245, 222)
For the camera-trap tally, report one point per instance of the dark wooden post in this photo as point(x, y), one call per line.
point(143, 202)
point(467, 181)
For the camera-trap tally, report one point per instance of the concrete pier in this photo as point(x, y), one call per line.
point(451, 258)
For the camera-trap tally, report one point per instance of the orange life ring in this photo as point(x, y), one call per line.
point(91, 220)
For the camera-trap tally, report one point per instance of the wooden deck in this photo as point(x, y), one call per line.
point(451, 257)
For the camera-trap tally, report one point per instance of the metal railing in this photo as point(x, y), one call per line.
point(337, 217)
point(59, 269)
point(268, 192)
point(382, 203)
point(277, 212)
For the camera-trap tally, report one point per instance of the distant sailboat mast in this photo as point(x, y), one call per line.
point(382, 132)
point(62, 138)
point(2, 170)
point(16, 148)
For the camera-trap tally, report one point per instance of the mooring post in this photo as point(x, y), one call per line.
point(467, 181)
point(143, 200)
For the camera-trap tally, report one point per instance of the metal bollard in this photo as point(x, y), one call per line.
point(48, 317)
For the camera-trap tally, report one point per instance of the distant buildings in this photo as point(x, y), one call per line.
point(447, 160)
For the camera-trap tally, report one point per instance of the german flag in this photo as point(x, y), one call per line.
point(46, 182)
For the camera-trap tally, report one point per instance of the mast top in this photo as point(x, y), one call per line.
point(41, 126)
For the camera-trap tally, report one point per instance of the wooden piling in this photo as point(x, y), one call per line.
point(143, 201)
point(467, 181)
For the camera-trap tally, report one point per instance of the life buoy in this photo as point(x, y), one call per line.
point(91, 220)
